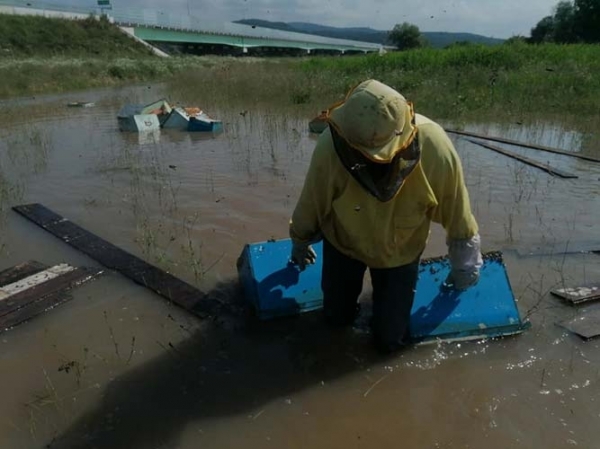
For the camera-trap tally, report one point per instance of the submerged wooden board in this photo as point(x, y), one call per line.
point(525, 145)
point(34, 309)
point(586, 324)
point(30, 296)
point(554, 251)
point(21, 271)
point(33, 280)
point(141, 272)
point(578, 295)
point(526, 160)
point(51, 285)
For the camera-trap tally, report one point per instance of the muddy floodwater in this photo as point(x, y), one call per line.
point(120, 367)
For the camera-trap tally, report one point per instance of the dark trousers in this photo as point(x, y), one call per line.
point(393, 295)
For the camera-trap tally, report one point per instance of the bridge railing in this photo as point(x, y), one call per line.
point(161, 19)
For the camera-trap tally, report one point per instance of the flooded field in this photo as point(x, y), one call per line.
point(120, 367)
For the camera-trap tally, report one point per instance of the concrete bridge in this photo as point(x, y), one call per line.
point(164, 28)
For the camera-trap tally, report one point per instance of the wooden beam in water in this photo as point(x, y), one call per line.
point(579, 294)
point(586, 324)
point(6, 291)
point(34, 309)
point(21, 271)
point(112, 257)
point(525, 160)
point(525, 145)
point(40, 286)
point(35, 294)
point(572, 249)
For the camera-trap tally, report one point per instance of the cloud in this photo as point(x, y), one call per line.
point(499, 18)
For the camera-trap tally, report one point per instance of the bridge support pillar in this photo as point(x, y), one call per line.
point(244, 50)
point(308, 51)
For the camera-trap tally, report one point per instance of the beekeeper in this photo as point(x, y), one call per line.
point(378, 176)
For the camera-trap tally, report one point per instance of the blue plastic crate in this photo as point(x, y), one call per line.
point(277, 288)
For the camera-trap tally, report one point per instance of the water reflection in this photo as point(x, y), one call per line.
point(141, 138)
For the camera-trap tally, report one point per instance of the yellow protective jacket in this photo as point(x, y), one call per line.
point(392, 233)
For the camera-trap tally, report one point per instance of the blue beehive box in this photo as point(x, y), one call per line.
point(273, 285)
point(276, 288)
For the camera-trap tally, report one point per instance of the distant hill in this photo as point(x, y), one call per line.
point(437, 39)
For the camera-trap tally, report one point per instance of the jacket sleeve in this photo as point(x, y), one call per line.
point(454, 209)
point(317, 193)
point(445, 174)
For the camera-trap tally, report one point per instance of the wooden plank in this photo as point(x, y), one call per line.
point(525, 145)
point(525, 160)
point(21, 271)
point(34, 293)
point(559, 250)
point(578, 295)
point(32, 310)
point(141, 272)
point(31, 281)
point(550, 253)
point(586, 324)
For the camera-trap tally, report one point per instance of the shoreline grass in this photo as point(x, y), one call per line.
point(475, 79)
point(462, 83)
point(44, 56)
point(35, 76)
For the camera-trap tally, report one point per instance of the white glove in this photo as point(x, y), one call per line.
point(303, 254)
point(465, 261)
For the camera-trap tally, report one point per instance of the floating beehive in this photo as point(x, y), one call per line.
point(276, 288)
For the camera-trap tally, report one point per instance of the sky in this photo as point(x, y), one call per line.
point(496, 18)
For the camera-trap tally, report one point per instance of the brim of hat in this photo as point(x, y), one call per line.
point(382, 154)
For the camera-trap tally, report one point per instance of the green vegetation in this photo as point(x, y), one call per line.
point(26, 36)
point(467, 82)
point(407, 37)
point(39, 55)
point(34, 76)
point(463, 81)
point(474, 80)
point(572, 22)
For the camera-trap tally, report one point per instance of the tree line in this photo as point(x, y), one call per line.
point(576, 21)
point(571, 22)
